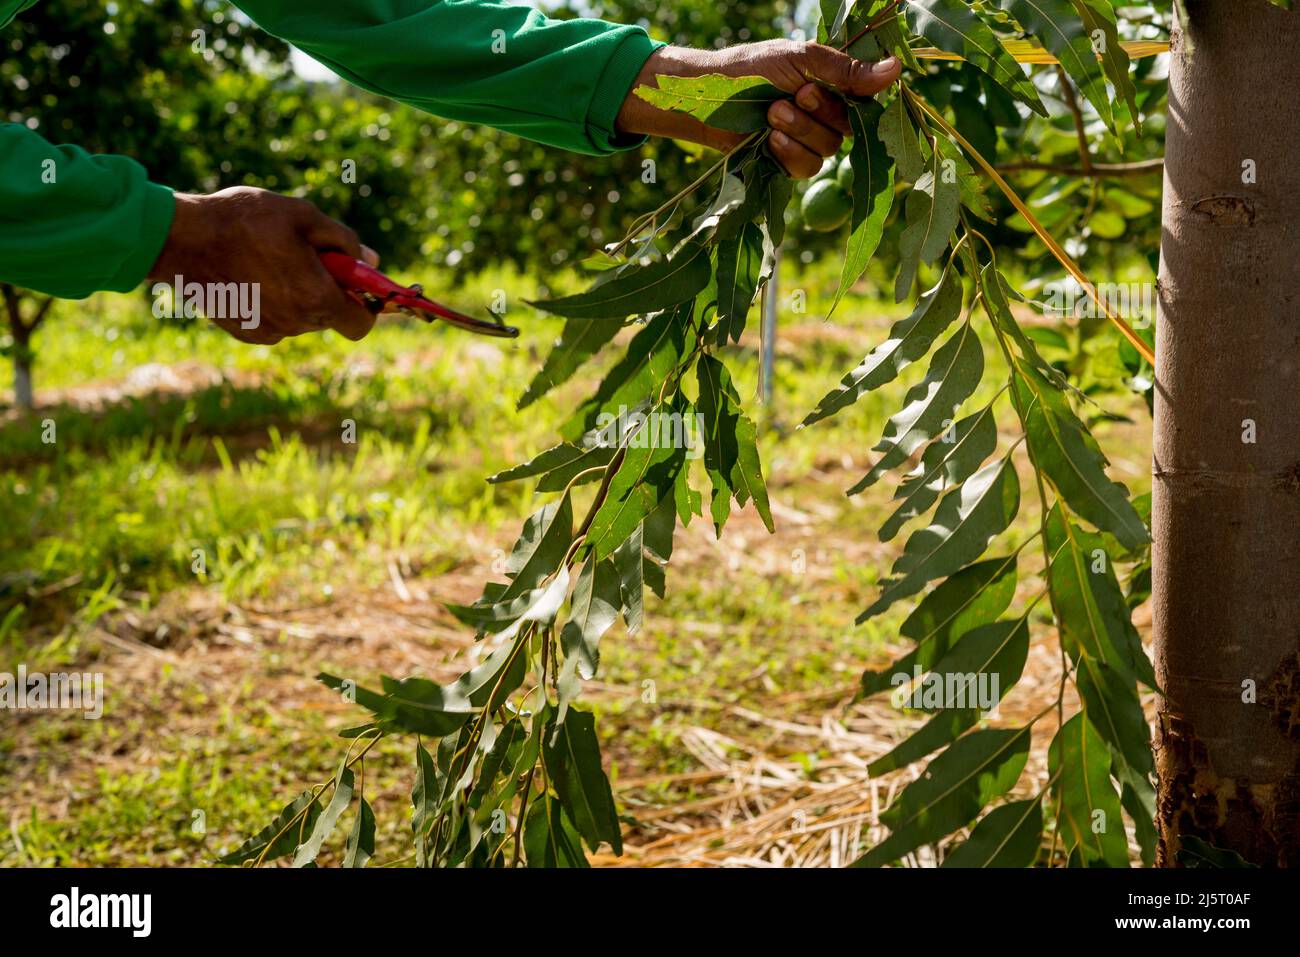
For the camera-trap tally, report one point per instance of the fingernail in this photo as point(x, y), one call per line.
point(780, 139)
point(369, 255)
point(807, 98)
point(887, 65)
point(784, 112)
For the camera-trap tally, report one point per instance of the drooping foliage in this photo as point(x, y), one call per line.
point(507, 764)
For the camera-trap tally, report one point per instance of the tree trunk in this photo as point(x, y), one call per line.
point(1226, 509)
point(23, 397)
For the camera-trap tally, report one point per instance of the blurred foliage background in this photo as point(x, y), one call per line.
point(206, 100)
point(243, 461)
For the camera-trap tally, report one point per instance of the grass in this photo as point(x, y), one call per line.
point(211, 545)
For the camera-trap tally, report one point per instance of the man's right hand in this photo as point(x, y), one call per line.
point(247, 235)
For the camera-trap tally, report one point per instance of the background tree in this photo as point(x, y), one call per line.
point(107, 76)
point(204, 100)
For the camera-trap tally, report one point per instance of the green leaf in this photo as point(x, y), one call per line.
point(909, 339)
point(780, 190)
point(646, 477)
point(974, 118)
point(1099, 18)
point(595, 606)
point(973, 676)
point(556, 457)
point(560, 465)
point(1193, 852)
point(730, 445)
point(280, 837)
point(1064, 450)
point(309, 849)
point(970, 186)
point(735, 103)
point(640, 289)
point(505, 749)
point(1088, 814)
point(867, 46)
point(538, 552)
point(641, 559)
point(890, 36)
point(630, 561)
point(550, 840)
point(581, 339)
point(723, 217)
point(931, 211)
point(686, 499)
point(943, 728)
point(652, 356)
point(972, 597)
point(361, 842)
point(506, 618)
point(966, 521)
point(425, 712)
point(928, 408)
point(1138, 798)
point(902, 141)
point(954, 26)
point(660, 526)
point(419, 706)
point(1008, 836)
point(873, 194)
point(1094, 618)
point(955, 787)
point(1111, 702)
point(572, 756)
point(1056, 24)
point(516, 753)
point(426, 795)
point(834, 14)
point(998, 650)
point(740, 261)
point(948, 461)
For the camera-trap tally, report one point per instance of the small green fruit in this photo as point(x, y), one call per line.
point(845, 175)
point(830, 167)
point(826, 206)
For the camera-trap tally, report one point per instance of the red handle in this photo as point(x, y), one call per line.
point(363, 280)
point(361, 277)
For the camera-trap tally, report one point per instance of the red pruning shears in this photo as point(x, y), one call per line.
point(370, 287)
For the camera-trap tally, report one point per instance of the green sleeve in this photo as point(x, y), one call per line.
point(71, 223)
point(560, 82)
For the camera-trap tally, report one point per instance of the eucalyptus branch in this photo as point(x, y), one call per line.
point(650, 218)
point(1056, 249)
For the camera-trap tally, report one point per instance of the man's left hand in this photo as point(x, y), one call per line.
point(805, 129)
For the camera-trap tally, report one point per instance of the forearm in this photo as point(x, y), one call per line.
point(72, 223)
point(556, 82)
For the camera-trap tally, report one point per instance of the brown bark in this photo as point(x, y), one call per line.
point(1226, 511)
point(21, 331)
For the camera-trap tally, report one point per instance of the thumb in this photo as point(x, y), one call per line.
point(323, 233)
point(849, 76)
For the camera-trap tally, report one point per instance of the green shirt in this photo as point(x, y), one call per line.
point(72, 223)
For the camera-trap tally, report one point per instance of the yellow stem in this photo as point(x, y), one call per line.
point(1026, 51)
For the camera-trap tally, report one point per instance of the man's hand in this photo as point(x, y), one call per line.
point(246, 235)
point(806, 128)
